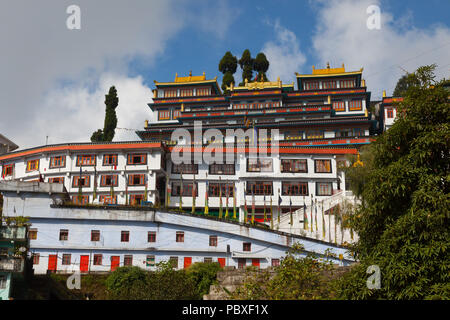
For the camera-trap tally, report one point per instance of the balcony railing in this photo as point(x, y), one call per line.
point(13, 233)
point(11, 264)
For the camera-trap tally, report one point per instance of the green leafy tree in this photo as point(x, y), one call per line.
point(111, 102)
point(228, 66)
point(297, 278)
point(128, 283)
point(404, 83)
point(403, 222)
point(203, 275)
point(246, 64)
point(261, 65)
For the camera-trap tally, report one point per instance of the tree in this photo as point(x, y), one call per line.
point(403, 84)
point(403, 222)
point(246, 63)
point(111, 102)
point(228, 66)
point(261, 65)
point(127, 283)
point(203, 275)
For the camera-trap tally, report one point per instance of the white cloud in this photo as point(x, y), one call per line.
point(341, 36)
point(76, 112)
point(284, 55)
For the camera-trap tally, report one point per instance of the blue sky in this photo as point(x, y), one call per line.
point(53, 79)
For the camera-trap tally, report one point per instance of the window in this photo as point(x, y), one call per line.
point(275, 262)
point(180, 236)
point(224, 168)
point(294, 165)
point(7, 170)
point(322, 166)
point(259, 188)
point(32, 234)
point(35, 258)
point(164, 115)
point(176, 113)
point(174, 262)
point(187, 189)
point(136, 179)
point(347, 83)
point(151, 237)
point(109, 180)
point(84, 181)
point(110, 160)
point(186, 92)
point(355, 105)
point(185, 168)
point(311, 85)
point(207, 260)
point(33, 165)
point(98, 259)
point(339, 105)
point(108, 199)
point(128, 260)
point(203, 92)
point(63, 234)
point(390, 112)
point(214, 189)
point(3, 282)
point(95, 235)
point(259, 165)
point(86, 160)
point(328, 84)
point(80, 200)
point(242, 263)
point(150, 261)
point(170, 93)
point(213, 241)
point(324, 188)
point(66, 258)
point(136, 199)
point(58, 162)
point(137, 159)
point(294, 188)
point(56, 180)
point(246, 246)
point(125, 236)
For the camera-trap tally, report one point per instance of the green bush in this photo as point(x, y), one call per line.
point(203, 275)
point(128, 283)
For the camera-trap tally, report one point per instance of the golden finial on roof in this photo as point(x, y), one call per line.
point(363, 83)
point(204, 74)
point(384, 93)
point(190, 73)
point(343, 65)
point(328, 65)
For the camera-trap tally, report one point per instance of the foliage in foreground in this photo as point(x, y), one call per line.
point(403, 222)
point(166, 283)
point(297, 278)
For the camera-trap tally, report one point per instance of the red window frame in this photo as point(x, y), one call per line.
point(320, 188)
point(347, 83)
point(213, 241)
point(187, 188)
point(179, 236)
point(339, 105)
point(107, 199)
point(85, 178)
point(98, 259)
point(186, 92)
point(246, 246)
point(176, 113)
point(57, 162)
point(86, 160)
point(128, 260)
point(7, 170)
point(259, 188)
point(312, 85)
point(124, 236)
point(95, 235)
point(150, 261)
point(322, 166)
point(170, 93)
point(36, 258)
point(111, 178)
point(84, 200)
point(110, 160)
point(390, 113)
point(355, 105)
point(275, 262)
point(133, 179)
point(32, 234)
point(294, 188)
point(214, 189)
point(56, 180)
point(63, 234)
point(151, 236)
point(203, 91)
point(136, 199)
point(330, 84)
point(294, 165)
point(32, 165)
point(136, 158)
point(66, 258)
